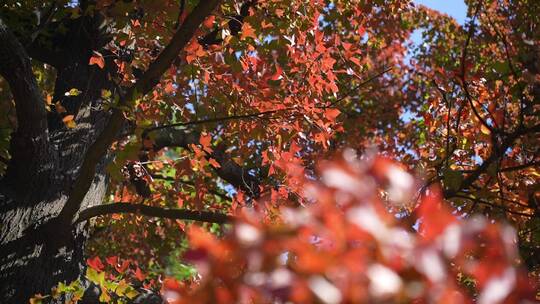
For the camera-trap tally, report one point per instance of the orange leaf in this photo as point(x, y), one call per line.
point(169, 88)
point(68, 118)
point(209, 22)
point(214, 163)
point(190, 58)
point(97, 59)
point(485, 129)
point(248, 31)
point(206, 142)
point(331, 114)
point(201, 239)
point(266, 25)
point(69, 122)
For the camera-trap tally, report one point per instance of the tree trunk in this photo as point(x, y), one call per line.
point(36, 250)
point(48, 178)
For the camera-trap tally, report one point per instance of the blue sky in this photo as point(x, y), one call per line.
point(454, 8)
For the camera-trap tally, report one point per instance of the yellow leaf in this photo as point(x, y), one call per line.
point(37, 299)
point(132, 293)
point(71, 125)
point(69, 122)
point(485, 129)
point(122, 288)
point(106, 94)
point(94, 276)
point(73, 92)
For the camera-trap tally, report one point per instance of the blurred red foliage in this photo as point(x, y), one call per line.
point(345, 247)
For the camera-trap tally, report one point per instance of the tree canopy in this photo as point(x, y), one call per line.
point(269, 151)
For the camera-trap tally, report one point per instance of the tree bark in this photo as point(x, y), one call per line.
point(40, 242)
point(36, 250)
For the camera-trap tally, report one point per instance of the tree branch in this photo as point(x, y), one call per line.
point(520, 167)
point(494, 156)
point(480, 201)
point(189, 183)
point(463, 64)
point(148, 80)
point(509, 169)
point(16, 68)
point(176, 214)
point(30, 141)
point(229, 170)
point(180, 39)
point(262, 114)
point(356, 87)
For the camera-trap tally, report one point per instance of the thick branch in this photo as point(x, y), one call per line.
point(149, 79)
point(184, 34)
point(176, 214)
point(234, 173)
point(229, 170)
point(29, 143)
point(16, 68)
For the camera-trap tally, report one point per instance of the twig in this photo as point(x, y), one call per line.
point(218, 119)
point(493, 205)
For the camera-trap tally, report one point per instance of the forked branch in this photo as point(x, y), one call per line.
point(148, 80)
